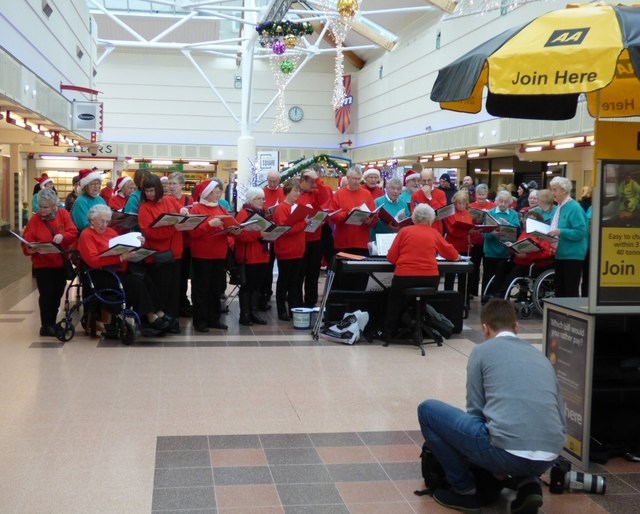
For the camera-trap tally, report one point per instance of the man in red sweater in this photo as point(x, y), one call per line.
point(273, 195)
point(315, 193)
point(351, 238)
point(430, 195)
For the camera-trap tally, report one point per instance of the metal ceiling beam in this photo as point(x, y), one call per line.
point(278, 10)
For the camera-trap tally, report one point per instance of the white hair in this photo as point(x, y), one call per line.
point(504, 194)
point(562, 182)
point(423, 214)
point(253, 193)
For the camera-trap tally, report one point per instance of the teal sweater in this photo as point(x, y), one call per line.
point(492, 246)
point(574, 232)
point(81, 208)
point(392, 208)
point(513, 387)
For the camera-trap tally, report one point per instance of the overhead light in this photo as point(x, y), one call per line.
point(438, 159)
point(199, 163)
point(564, 146)
point(533, 149)
point(473, 155)
point(162, 163)
point(455, 157)
point(131, 161)
point(549, 172)
point(59, 157)
point(506, 170)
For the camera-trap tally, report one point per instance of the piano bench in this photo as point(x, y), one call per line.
point(416, 327)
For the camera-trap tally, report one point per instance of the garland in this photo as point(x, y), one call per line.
point(302, 164)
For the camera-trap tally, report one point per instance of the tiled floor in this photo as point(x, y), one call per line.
point(256, 419)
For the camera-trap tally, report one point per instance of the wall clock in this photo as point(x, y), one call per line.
point(296, 113)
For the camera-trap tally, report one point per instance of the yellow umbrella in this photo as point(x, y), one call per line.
point(538, 70)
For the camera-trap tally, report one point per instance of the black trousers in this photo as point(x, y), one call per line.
point(497, 266)
point(311, 271)
point(51, 283)
point(139, 290)
point(289, 285)
point(477, 253)
point(567, 278)
point(449, 280)
point(584, 287)
point(351, 281)
point(185, 271)
point(205, 290)
point(266, 288)
point(326, 237)
point(255, 274)
point(398, 302)
point(166, 278)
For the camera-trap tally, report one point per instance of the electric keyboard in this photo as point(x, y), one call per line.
point(382, 265)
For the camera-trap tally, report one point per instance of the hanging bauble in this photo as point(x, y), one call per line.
point(347, 8)
point(279, 29)
point(309, 29)
point(290, 41)
point(278, 47)
point(287, 66)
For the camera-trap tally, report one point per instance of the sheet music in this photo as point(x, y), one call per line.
point(384, 242)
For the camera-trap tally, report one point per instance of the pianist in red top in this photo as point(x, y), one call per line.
point(413, 253)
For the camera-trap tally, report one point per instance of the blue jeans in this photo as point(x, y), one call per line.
point(457, 438)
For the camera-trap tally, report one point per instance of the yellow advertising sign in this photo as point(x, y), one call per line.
point(620, 257)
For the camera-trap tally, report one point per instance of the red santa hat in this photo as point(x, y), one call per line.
point(410, 175)
point(371, 171)
point(164, 178)
point(43, 180)
point(87, 176)
point(122, 181)
point(203, 189)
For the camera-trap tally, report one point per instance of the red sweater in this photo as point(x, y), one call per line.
point(93, 244)
point(160, 238)
point(37, 232)
point(205, 244)
point(476, 237)
point(438, 199)
point(319, 199)
point(351, 236)
point(414, 251)
point(185, 201)
point(458, 236)
point(116, 202)
point(546, 254)
point(292, 244)
point(272, 197)
point(376, 192)
point(249, 249)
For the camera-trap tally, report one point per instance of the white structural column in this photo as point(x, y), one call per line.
point(15, 173)
point(246, 142)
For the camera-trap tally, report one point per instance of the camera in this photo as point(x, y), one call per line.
point(561, 478)
point(93, 148)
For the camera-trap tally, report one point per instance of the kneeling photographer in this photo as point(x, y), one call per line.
point(514, 422)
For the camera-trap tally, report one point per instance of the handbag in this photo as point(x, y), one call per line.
point(69, 270)
point(237, 271)
point(163, 257)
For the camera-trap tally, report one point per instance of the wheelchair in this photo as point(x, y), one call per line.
point(83, 300)
point(529, 292)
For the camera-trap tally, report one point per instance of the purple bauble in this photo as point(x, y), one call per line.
point(278, 47)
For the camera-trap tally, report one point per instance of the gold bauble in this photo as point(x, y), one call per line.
point(290, 41)
point(279, 29)
point(347, 8)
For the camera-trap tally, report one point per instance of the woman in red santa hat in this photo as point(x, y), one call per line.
point(208, 255)
point(124, 188)
point(411, 181)
point(90, 182)
point(45, 183)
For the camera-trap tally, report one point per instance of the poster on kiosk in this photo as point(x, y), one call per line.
point(616, 234)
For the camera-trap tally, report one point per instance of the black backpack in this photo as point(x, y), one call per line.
point(487, 485)
point(437, 321)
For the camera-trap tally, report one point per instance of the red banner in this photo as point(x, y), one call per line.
point(343, 114)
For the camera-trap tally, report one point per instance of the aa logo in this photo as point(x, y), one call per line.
point(624, 69)
point(567, 37)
